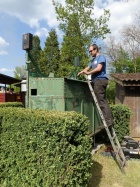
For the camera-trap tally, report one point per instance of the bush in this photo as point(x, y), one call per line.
point(121, 117)
point(12, 104)
point(111, 92)
point(44, 148)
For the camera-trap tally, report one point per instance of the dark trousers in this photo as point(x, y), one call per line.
point(99, 87)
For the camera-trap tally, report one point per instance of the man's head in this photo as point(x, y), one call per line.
point(93, 50)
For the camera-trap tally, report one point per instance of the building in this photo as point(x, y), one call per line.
point(128, 93)
point(5, 90)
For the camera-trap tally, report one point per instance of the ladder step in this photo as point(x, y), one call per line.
point(113, 137)
point(124, 163)
point(118, 151)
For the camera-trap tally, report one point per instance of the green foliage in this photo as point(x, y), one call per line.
point(111, 92)
point(81, 11)
point(79, 27)
point(138, 64)
point(134, 66)
point(34, 56)
point(121, 115)
point(12, 104)
point(122, 63)
point(19, 72)
point(44, 148)
point(50, 56)
point(72, 46)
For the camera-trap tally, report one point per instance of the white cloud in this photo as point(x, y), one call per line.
point(33, 22)
point(2, 52)
point(41, 32)
point(34, 11)
point(3, 70)
point(3, 45)
point(122, 13)
point(31, 12)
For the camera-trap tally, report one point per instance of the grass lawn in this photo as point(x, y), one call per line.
point(106, 173)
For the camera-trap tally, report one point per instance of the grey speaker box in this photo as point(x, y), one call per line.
point(27, 41)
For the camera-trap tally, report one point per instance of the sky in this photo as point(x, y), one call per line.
point(18, 17)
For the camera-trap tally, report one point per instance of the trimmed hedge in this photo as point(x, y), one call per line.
point(12, 104)
point(44, 148)
point(121, 115)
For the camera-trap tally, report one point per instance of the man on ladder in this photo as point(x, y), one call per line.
point(99, 81)
point(97, 86)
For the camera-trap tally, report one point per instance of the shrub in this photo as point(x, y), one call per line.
point(12, 104)
point(44, 148)
point(111, 92)
point(121, 115)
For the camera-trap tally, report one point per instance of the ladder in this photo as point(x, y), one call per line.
point(119, 155)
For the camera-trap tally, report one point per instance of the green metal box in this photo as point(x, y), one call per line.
point(64, 94)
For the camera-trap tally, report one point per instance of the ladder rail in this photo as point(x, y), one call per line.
point(120, 158)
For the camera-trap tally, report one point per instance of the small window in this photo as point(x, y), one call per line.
point(33, 91)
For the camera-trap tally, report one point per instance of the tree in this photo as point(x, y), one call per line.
point(82, 11)
point(111, 92)
point(131, 41)
point(20, 72)
point(79, 26)
point(34, 56)
point(125, 55)
point(118, 57)
point(50, 56)
point(72, 46)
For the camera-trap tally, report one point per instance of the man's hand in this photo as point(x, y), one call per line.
point(80, 73)
point(86, 72)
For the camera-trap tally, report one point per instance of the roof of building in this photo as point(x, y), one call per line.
point(127, 79)
point(5, 79)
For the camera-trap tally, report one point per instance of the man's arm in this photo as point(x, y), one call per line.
point(96, 70)
point(84, 70)
point(87, 72)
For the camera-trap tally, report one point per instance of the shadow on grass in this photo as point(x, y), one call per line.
point(96, 172)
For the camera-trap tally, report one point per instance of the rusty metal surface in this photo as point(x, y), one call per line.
point(64, 95)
